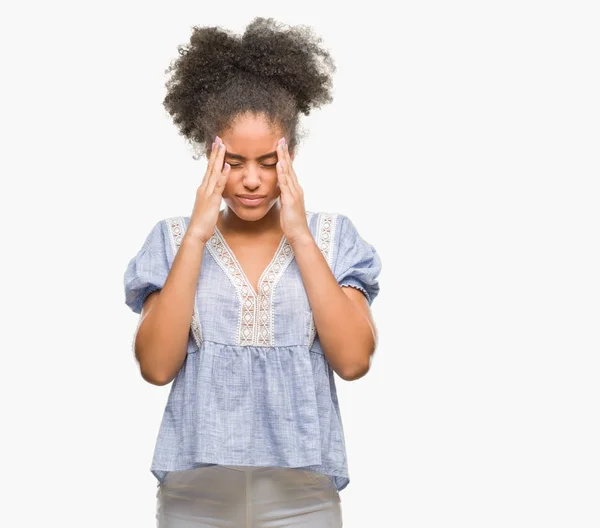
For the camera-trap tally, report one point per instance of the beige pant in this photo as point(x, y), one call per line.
point(247, 497)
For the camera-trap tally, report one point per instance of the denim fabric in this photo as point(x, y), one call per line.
point(255, 388)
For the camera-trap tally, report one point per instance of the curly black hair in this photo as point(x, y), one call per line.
point(272, 69)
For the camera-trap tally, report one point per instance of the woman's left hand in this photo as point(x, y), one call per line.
point(293, 213)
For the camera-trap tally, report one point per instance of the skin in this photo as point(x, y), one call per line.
point(236, 166)
point(252, 233)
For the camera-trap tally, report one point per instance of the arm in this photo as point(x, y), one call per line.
point(342, 315)
point(163, 332)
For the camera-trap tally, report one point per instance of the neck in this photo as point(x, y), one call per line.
point(231, 222)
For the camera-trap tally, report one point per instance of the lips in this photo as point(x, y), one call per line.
point(250, 199)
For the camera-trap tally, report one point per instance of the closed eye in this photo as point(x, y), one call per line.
point(264, 165)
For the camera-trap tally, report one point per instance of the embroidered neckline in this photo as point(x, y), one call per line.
point(235, 267)
point(256, 317)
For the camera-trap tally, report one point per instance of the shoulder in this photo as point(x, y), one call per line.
point(339, 237)
point(323, 226)
point(328, 225)
point(333, 232)
point(155, 235)
point(324, 219)
point(172, 229)
point(353, 260)
point(164, 235)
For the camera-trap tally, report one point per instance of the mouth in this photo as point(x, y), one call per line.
point(250, 199)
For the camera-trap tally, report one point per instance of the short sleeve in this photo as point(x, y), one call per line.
point(357, 263)
point(147, 271)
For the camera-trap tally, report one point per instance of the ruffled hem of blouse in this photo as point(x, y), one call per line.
point(339, 481)
point(257, 406)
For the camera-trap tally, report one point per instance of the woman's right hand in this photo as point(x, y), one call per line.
point(209, 195)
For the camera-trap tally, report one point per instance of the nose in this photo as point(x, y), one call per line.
point(251, 179)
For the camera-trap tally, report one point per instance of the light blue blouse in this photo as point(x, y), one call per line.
point(255, 388)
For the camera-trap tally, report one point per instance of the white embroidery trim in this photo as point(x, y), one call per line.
point(256, 313)
point(228, 263)
point(327, 223)
point(176, 230)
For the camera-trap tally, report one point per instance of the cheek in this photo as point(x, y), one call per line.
point(273, 183)
point(230, 186)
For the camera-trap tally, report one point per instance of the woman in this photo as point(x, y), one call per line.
point(249, 310)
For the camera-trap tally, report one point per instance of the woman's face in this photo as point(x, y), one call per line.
point(251, 149)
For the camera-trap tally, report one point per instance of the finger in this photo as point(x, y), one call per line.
point(222, 179)
point(211, 163)
point(288, 167)
point(283, 183)
point(217, 167)
point(291, 168)
point(284, 166)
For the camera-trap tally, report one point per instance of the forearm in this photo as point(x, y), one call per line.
point(162, 336)
point(344, 332)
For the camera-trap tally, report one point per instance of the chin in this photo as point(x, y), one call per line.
point(250, 214)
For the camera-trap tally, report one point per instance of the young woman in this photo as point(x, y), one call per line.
point(250, 309)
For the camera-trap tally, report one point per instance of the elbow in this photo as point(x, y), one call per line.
point(150, 369)
point(158, 368)
point(152, 373)
point(352, 374)
point(155, 378)
point(359, 368)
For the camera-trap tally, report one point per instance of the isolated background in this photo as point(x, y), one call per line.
point(463, 143)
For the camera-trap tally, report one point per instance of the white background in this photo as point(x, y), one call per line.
point(463, 143)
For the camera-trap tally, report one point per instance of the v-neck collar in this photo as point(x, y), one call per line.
point(283, 243)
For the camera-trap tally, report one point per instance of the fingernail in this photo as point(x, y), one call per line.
point(217, 139)
point(283, 140)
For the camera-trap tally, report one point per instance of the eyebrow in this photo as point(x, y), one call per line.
point(240, 157)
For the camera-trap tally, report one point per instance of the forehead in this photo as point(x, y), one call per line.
point(251, 135)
